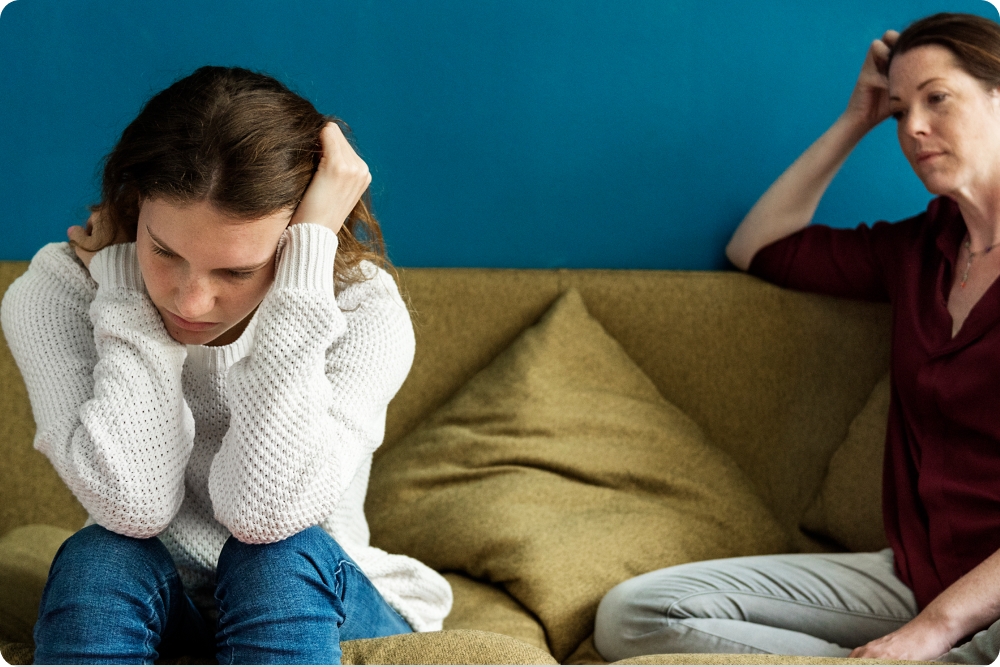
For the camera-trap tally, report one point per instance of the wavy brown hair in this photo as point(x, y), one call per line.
point(238, 139)
point(973, 40)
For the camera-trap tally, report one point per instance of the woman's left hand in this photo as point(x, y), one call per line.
point(93, 235)
point(917, 640)
point(340, 180)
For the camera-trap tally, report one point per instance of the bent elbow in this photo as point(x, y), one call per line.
point(737, 255)
point(139, 517)
point(132, 524)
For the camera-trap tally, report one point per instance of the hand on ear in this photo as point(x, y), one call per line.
point(86, 241)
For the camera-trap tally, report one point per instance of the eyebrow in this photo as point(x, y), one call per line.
point(236, 269)
point(921, 86)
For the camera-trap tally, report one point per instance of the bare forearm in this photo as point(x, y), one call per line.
point(971, 603)
point(967, 606)
point(789, 204)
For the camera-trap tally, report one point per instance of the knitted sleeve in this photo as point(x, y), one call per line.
point(104, 381)
point(308, 403)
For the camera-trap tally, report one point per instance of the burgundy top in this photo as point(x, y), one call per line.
point(941, 480)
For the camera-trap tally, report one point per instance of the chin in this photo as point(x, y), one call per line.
point(938, 186)
point(185, 337)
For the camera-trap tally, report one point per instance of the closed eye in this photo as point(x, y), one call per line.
point(241, 275)
point(235, 275)
point(161, 252)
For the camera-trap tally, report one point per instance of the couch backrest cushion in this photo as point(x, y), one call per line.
point(848, 508)
point(773, 376)
point(559, 471)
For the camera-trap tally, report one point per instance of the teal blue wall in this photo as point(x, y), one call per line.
point(514, 133)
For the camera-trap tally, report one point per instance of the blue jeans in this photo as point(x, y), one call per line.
point(116, 599)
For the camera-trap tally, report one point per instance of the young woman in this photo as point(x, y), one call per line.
point(939, 584)
point(209, 363)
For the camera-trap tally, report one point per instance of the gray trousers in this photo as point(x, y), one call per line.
point(821, 605)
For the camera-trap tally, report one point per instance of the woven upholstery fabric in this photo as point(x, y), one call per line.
point(25, 556)
point(16, 653)
point(558, 472)
point(848, 508)
point(482, 606)
point(773, 376)
point(449, 647)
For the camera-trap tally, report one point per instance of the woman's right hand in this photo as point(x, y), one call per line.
point(869, 103)
point(340, 180)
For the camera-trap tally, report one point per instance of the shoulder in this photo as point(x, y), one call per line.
point(939, 227)
point(374, 309)
point(54, 274)
point(375, 288)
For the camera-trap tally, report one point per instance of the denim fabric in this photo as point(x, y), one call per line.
point(116, 599)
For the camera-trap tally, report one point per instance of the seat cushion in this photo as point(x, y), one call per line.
point(559, 471)
point(25, 556)
point(483, 606)
point(449, 647)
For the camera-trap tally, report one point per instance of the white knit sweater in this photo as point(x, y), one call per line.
point(259, 439)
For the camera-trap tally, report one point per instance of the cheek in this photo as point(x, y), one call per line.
point(246, 297)
point(153, 275)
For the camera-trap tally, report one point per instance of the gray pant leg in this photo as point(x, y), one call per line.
point(982, 649)
point(799, 604)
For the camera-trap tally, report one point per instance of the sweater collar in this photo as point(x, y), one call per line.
point(224, 356)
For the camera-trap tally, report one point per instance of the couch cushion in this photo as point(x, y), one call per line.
point(450, 647)
point(25, 556)
point(848, 507)
point(482, 606)
point(559, 471)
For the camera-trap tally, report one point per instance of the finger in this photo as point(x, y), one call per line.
point(332, 140)
point(890, 37)
point(76, 233)
point(879, 51)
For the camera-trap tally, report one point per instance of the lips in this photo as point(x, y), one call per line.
point(187, 325)
point(924, 156)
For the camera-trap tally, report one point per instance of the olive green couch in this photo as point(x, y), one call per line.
point(538, 454)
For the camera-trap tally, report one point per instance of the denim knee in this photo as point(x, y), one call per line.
point(95, 555)
point(279, 567)
point(107, 599)
point(306, 543)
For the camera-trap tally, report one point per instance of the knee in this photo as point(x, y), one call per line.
point(615, 621)
point(283, 556)
point(94, 555)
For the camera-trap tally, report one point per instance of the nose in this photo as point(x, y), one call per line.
point(194, 298)
point(916, 123)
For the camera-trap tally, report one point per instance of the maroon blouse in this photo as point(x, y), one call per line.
point(941, 480)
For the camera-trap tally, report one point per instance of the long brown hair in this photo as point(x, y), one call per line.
point(973, 40)
point(238, 139)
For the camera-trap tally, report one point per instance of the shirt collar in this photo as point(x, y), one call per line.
point(945, 213)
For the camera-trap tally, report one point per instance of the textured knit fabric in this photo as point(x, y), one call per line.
point(941, 500)
point(259, 439)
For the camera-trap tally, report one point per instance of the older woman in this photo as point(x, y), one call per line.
point(939, 584)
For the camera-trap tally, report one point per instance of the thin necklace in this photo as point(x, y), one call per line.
point(968, 265)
